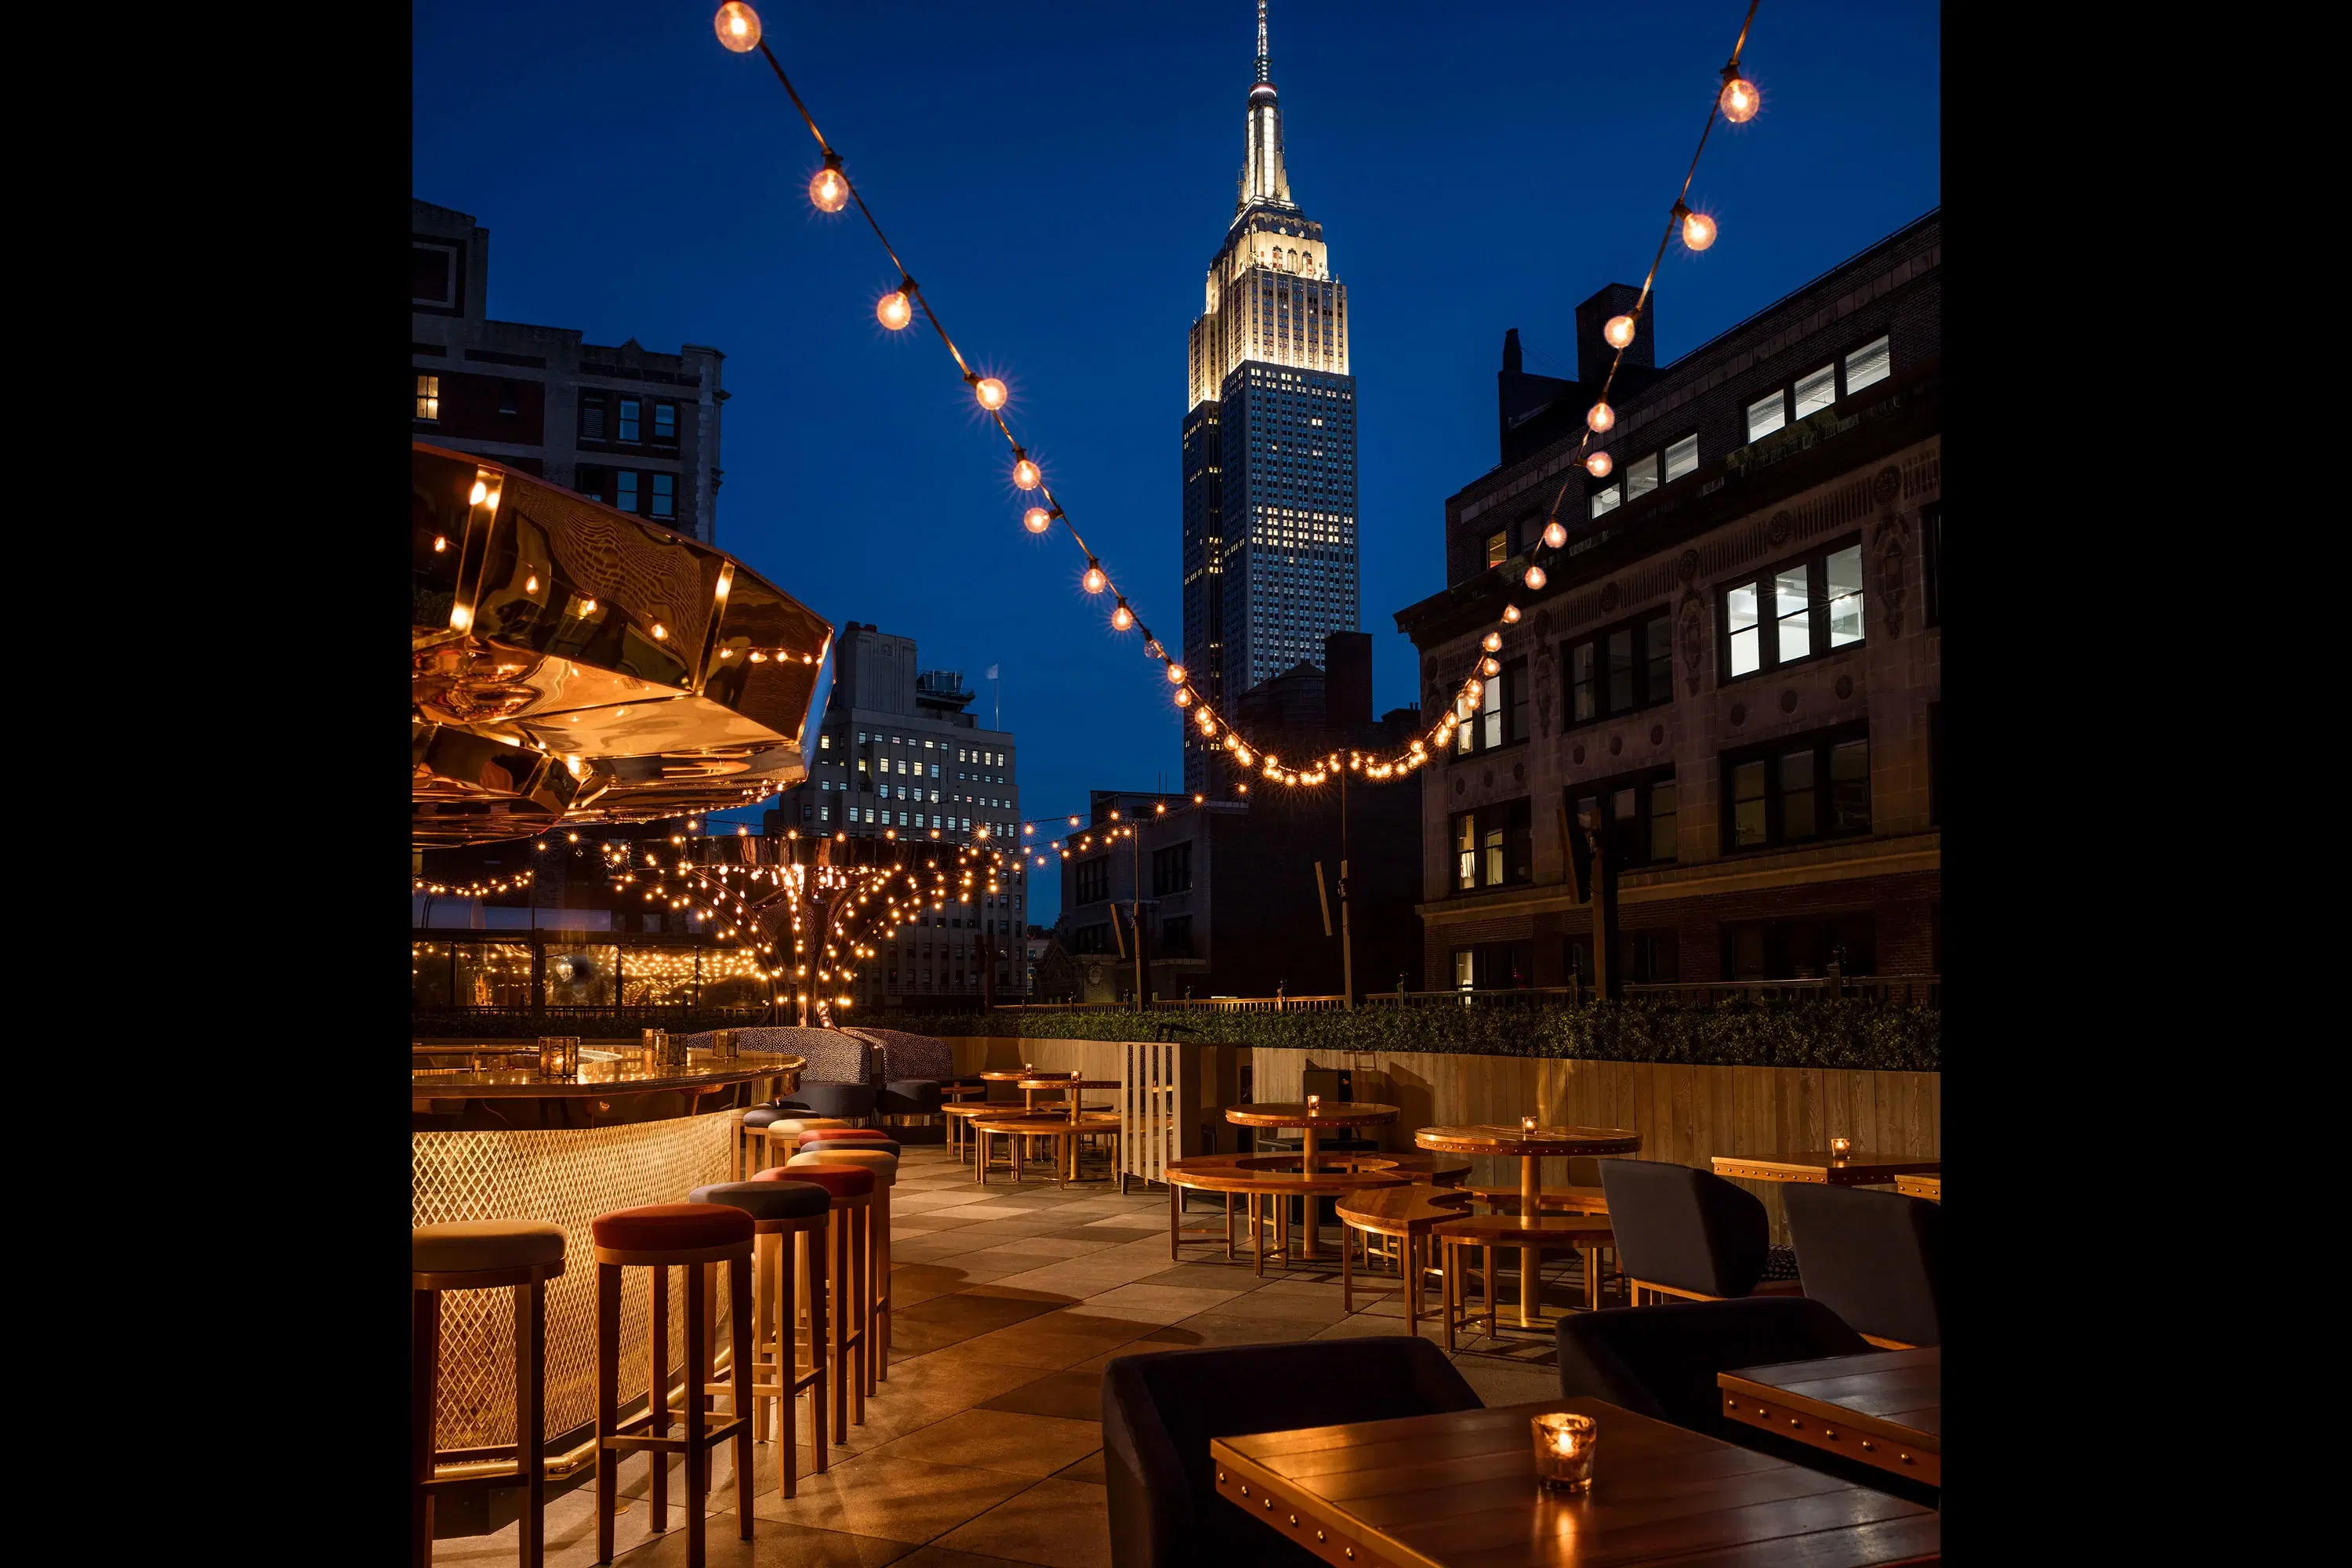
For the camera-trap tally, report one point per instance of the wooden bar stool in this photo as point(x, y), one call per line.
point(960, 1119)
point(1588, 1234)
point(481, 1255)
point(750, 1137)
point(662, 1237)
point(884, 1165)
point(847, 1230)
point(818, 1139)
point(782, 1212)
point(1407, 1215)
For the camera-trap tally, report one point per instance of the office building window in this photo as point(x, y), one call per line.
point(1931, 560)
point(1816, 391)
point(1620, 668)
point(1492, 847)
point(1636, 814)
point(1607, 498)
point(1797, 791)
point(593, 482)
point(1499, 548)
point(1767, 414)
point(666, 424)
point(429, 397)
point(1682, 458)
point(510, 397)
point(1867, 364)
point(1501, 716)
point(1494, 966)
point(1800, 949)
point(1798, 610)
point(593, 408)
point(665, 495)
point(1172, 869)
point(625, 490)
point(1649, 958)
point(629, 420)
point(1176, 937)
point(1091, 882)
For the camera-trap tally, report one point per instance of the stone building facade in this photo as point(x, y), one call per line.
point(625, 426)
point(1735, 666)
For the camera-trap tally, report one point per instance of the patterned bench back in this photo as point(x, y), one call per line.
point(905, 1056)
point(834, 1055)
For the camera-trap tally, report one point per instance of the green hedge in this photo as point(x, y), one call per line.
point(1847, 1033)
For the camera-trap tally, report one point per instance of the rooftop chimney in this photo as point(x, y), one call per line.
point(1511, 365)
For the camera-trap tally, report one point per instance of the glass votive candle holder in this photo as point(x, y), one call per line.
point(1314, 1104)
point(1564, 1446)
point(1840, 1148)
point(1527, 1126)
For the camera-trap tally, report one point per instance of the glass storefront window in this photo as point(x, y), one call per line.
point(429, 977)
point(658, 977)
point(582, 974)
point(493, 974)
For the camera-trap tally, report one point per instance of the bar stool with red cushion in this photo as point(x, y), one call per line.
point(847, 1239)
point(824, 1137)
point(662, 1237)
point(782, 1212)
point(784, 1139)
point(482, 1254)
point(876, 1366)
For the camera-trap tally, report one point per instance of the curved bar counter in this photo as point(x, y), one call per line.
point(507, 1144)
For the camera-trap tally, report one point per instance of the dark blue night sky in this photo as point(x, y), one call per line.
point(1058, 175)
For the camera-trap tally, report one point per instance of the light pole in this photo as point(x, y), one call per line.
point(1347, 939)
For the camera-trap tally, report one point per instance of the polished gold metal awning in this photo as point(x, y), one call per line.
point(572, 663)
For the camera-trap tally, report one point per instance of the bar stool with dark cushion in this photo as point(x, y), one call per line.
point(849, 1267)
point(1160, 1412)
point(909, 1097)
point(884, 1164)
point(749, 1136)
point(1875, 1258)
point(1685, 1232)
point(782, 1212)
point(662, 1237)
point(850, 1101)
point(1661, 1361)
point(482, 1254)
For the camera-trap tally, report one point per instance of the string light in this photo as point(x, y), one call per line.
point(894, 309)
point(1037, 520)
point(738, 26)
point(831, 191)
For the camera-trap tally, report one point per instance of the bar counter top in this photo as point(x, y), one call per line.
point(602, 1093)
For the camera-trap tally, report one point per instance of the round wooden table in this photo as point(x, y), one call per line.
point(1531, 1149)
point(1587, 1233)
point(1029, 1070)
point(1062, 1132)
point(1279, 1178)
point(1407, 1215)
point(1031, 1088)
point(1295, 1113)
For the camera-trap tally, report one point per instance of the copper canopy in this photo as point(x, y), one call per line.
point(572, 663)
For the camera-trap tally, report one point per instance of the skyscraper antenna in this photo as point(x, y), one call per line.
point(1265, 66)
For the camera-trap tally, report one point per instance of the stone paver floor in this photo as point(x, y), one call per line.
point(985, 1445)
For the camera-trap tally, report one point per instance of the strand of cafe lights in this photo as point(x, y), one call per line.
point(1735, 100)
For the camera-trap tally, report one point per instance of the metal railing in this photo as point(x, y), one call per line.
point(1275, 1004)
point(1514, 997)
point(1917, 990)
point(1911, 989)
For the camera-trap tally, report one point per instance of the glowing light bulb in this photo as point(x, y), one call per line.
point(1510, 614)
point(440, 543)
point(1598, 465)
point(1619, 330)
point(894, 309)
point(531, 583)
point(1176, 674)
point(828, 190)
point(1490, 667)
point(1122, 617)
point(1698, 230)
point(1600, 417)
point(660, 631)
point(991, 393)
point(1473, 689)
point(1554, 534)
point(1026, 475)
point(1183, 698)
point(738, 27)
point(1535, 577)
point(479, 490)
point(1493, 642)
point(1740, 100)
point(1095, 579)
point(1037, 520)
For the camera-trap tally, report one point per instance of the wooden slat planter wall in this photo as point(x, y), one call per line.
point(1684, 1114)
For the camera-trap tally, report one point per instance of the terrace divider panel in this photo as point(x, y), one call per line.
point(1686, 1114)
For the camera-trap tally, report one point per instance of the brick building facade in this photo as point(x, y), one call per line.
point(625, 426)
point(1735, 666)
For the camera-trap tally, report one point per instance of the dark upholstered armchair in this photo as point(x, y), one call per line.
point(1688, 1233)
point(1160, 1411)
point(1875, 1258)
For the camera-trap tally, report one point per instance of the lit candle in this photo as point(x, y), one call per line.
point(1527, 1126)
point(1839, 1148)
point(1564, 1449)
point(1314, 1104)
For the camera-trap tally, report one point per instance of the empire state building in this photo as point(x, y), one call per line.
point(1269, 441)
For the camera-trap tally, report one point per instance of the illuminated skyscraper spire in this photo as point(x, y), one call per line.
point(1263, 181)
